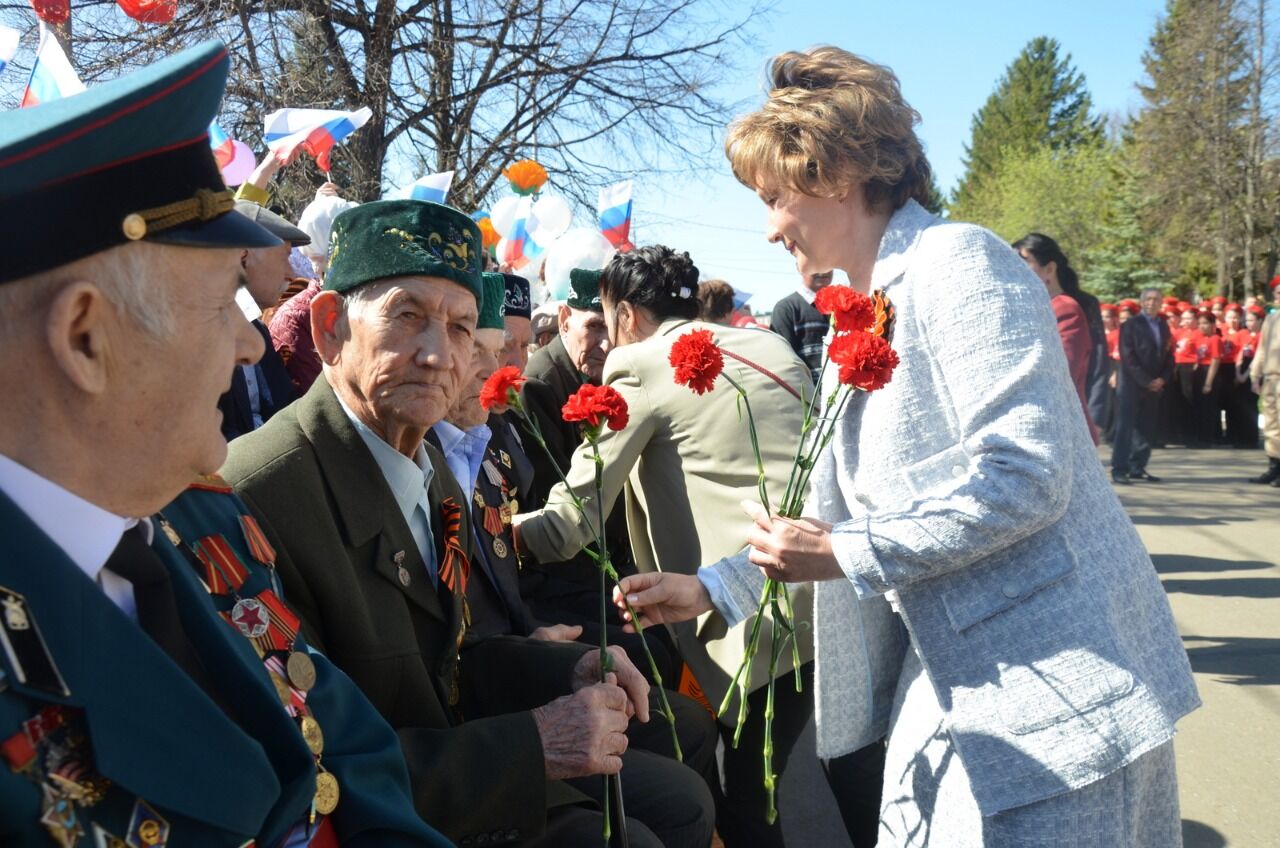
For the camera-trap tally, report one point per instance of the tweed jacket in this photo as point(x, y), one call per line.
point(685, 463)
point(969, 495)
point(352, 572)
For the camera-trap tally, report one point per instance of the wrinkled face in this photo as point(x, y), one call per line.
point(466, 411)
point(1251, 322)
point(406, 350)
point(267, 273)
point(814, 230)
point(517, 337)
point(586, 339)
point(171, 385)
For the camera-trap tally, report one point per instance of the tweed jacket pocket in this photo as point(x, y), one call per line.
point(936, 470)
point(1007, 579)
point(1042, 693)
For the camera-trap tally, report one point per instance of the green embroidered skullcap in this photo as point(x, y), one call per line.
point(491, 311)
point(584, 289)
point(404, 238)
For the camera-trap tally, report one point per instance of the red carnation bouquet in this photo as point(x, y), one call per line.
point(862, 330)
point(596, 407)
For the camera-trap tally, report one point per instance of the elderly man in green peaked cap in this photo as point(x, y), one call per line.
point(373, 540)
point(154, 687)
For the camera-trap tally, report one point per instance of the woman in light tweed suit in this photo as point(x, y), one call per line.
point(980, 590)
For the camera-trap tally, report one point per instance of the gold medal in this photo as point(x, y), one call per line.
point(302, 671)
point(326, 799)
point(312, 735)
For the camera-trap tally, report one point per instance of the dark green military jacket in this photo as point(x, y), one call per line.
point(351, 569)
point(145, 746)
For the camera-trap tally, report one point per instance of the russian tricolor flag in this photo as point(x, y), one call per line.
point(223, 147)
point(433, 188)
point(517, 243)
point(314, 130)
point(8, 45)
point(52, 76)
point(615, 215)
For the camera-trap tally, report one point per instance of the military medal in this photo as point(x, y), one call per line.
point(104, 839)
point(249, 617)
point(58, 815)
point(500, 548)
point(147, 828)
point(326, 800)
point(302, 671)
point(312, 735)
point(505, 457)
point(492, 473)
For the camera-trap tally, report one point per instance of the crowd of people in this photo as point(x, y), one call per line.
point(360, 607)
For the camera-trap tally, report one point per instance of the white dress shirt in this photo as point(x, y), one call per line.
point(87, 533)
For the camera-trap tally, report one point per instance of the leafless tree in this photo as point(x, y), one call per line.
point(596, 90)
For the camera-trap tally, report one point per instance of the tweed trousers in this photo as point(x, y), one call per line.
point(928, 800)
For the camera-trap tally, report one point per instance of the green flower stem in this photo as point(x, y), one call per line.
point(601, 558)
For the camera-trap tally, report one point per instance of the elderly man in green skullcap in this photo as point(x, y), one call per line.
point(374, 543)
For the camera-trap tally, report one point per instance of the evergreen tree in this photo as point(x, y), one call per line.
point(1122, 264)
point(1040, 101)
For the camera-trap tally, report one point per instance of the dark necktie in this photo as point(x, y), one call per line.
point(135, 561)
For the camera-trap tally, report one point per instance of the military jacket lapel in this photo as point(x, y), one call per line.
point(154, 732)
point(364, 505)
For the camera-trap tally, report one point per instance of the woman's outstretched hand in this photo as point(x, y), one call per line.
point(793, 550)
point(661, 598)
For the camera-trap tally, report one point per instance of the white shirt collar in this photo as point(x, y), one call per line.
point(807, 293)
point(86, 532)
point(407, 478)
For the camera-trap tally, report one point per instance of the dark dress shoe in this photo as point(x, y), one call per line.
point(1119, 477)
point(1143, 475)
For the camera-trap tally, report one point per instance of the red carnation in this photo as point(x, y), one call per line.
point(866, 361)
point(499, 387)
point(697, 360)
point(596, 405)
point(851, 310)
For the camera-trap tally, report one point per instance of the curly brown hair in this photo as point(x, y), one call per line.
point(833, 121)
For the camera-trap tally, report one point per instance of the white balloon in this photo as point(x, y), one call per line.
point(503, 215)
point(579, 248)
point(553, 216)
point(241, 165)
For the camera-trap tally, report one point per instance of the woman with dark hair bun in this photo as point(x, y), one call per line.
point(686, 464)
point(1047, 261)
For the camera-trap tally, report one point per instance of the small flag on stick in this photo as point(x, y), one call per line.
point(316, 131)
point(615, 215)
point(52, 76)
point(433, 188)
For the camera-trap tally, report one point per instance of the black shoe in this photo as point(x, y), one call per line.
point(1119, 477)
point(1143, 475)
point(1275, 484)
point(1271, 475)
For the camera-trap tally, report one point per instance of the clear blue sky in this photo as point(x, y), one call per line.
point(948, 56)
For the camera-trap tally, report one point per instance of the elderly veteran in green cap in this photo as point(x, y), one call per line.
point(138, 700)
point(374, 544)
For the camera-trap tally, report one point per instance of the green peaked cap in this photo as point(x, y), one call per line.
point(404, 238)
point(492, 312)
point(584, 289)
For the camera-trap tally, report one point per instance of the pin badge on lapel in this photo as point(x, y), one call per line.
point(402, 573)
point(25, 648)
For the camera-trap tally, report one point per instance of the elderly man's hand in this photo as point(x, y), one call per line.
point(557, 633)
point(623, 673)
point(584, 733)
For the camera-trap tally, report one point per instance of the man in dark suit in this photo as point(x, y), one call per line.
point(147, 697)
point(374, 544)
point(260, 390)
point(568, 591)
point(1146, 366)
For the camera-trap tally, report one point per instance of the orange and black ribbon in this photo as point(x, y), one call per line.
point(456, 567)
point(224, 573)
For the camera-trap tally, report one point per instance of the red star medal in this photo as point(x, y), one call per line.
point(249, 617)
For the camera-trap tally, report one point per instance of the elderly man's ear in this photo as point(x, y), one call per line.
point(328, 326)
point(76, 333)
